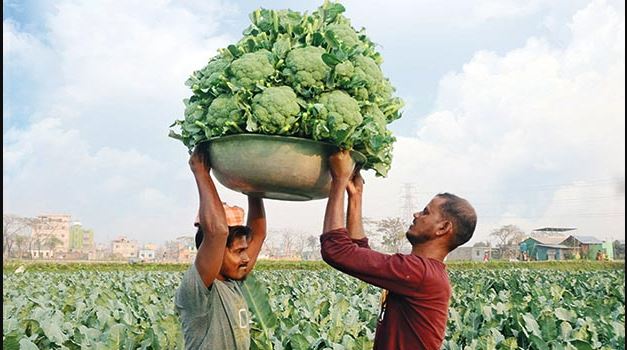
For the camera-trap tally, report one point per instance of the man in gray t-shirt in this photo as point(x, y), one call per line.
point(212, 309)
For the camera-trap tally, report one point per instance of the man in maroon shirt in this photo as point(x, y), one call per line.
point(415, 310)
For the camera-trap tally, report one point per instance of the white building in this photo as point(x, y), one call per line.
point(146, 254)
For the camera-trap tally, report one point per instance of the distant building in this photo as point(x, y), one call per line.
point(186, 249)
point(587, 247)
point(52, 226)
point(478, 252)
point(81, 239)
point(122, 247)
point(101, 251)
point(146, 254)
point(41, 254)
point(546, 244)
point(460, 253)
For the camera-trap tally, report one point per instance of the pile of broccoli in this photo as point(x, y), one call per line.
point(304, 75)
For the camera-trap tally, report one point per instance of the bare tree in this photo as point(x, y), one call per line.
point(21, 243)
point(269, 248)
point(313, 242)
point(14, 228)
point(301, 243)
point(392, 231)
point(508, 238)
point(287, 242)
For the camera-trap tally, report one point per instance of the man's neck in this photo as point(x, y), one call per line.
point(430, 250)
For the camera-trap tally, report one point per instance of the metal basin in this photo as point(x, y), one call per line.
point(275, 167)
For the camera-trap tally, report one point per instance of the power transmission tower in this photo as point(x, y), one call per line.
point(408, 205)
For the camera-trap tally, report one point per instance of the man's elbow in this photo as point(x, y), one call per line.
point(327, 257)
point(216, 231)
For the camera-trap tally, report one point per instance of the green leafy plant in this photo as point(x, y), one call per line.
point(296, 74)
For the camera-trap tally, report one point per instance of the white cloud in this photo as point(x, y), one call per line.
point(95, 144)
point(406, 13)
point(536, 114)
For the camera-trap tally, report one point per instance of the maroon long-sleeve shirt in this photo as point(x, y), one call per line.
point(415, 312)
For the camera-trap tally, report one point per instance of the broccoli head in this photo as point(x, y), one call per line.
point(224, 114)
point(368, 73)
point(345, 34)
point(252, 68)
point(304, 68)
point(340, 114)
point(202, 80)
point(275, 111)
point(344, 70)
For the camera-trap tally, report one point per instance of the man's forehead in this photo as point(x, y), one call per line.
point(239, 242)
point(435, 203)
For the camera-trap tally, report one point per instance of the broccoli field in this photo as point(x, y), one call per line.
point(502, 307)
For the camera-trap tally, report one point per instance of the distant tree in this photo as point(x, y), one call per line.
point(508, 238)
point(313, 242)
point(288, 241)
point(392, 231)
point(21, 243)
point(619, 249)
point(13, 226)
point(269, 248)
point(301, 243)
point(51, 242)
point(371, 230)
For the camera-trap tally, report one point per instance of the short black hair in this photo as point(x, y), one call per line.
point(463, 216)
point(234, 232)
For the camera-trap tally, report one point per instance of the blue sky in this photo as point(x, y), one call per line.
point(517, 106)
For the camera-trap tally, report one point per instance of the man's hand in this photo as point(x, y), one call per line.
point(341, 165)
point(356, 185)
point(199, 160)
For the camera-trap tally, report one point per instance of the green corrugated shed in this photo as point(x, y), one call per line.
point(589, 246)
point(541, 251)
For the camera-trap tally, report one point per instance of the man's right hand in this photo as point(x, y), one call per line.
point(341, 165)
point(356, 185)
point(199, 160)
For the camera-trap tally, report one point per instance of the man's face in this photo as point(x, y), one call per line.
point(426, 223)
point(236, 260)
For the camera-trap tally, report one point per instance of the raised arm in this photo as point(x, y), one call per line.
point(257, 222)
point(212, 219)
point(341, 168)
point(354, 223)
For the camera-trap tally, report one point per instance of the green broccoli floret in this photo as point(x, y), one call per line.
point(373, 115)
point(339, 116)
point(367, 72)
point(344, 70)
point(252, 68)
point(223, 115)
point(345, 34)
point(304, 68)
point(374, 140)
point(275, 111)
point(202, 80)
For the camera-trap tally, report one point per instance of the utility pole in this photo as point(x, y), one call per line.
point(408, 205)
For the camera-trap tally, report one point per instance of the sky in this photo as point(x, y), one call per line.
point(517, 106)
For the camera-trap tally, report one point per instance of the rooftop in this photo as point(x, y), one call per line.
point(587, 239)
point(555, 229)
